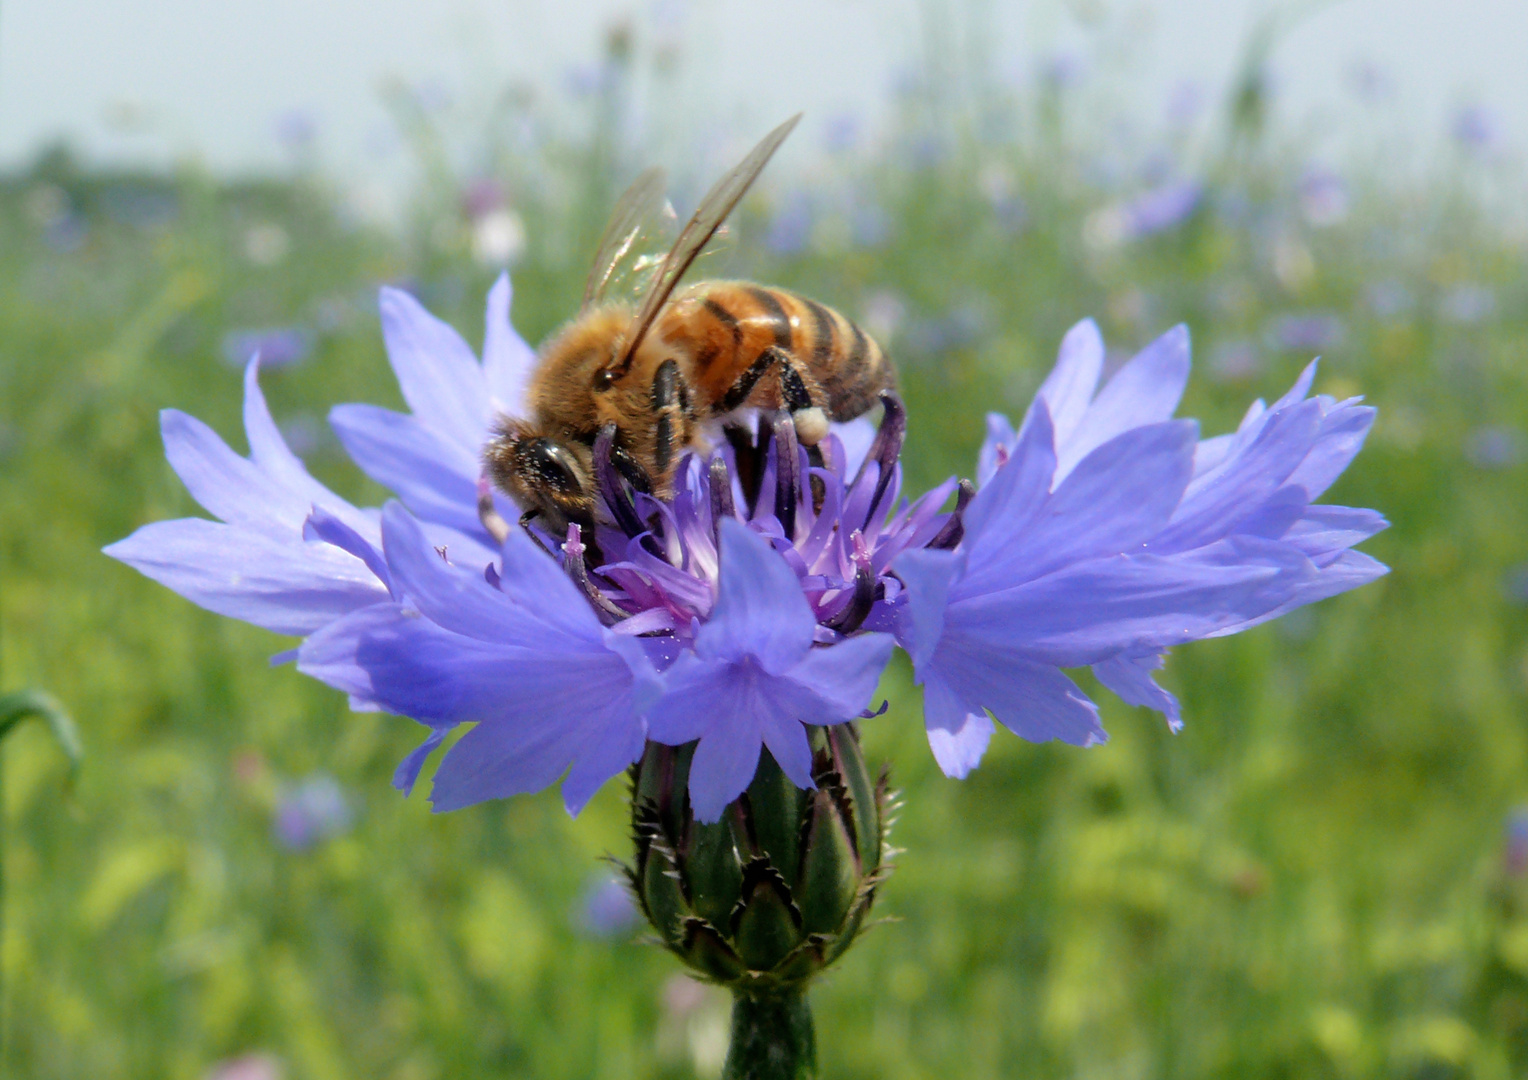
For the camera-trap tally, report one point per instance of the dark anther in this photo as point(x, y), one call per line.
point(488, 514)
point(607, 610)
point(853, 616)
point(955, 528)
point(721, 497)
point(787, 473)
point(748, 452)
point(814, 459)
point(611, 486)
point(885, 449)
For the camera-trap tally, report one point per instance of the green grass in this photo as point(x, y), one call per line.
point(1307, 882)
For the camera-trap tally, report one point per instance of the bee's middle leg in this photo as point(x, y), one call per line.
point(671, 406)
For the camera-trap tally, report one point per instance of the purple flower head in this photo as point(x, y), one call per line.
point(767, 594)
point(312, 810)
point(1185, 103)
point(1468, 304)
point(1388, 299)
point(606, 910)
point(1162, 208)
point(1476, 128)
point(248, 1067)
point(1323, 196)
point(1515, 847)
point(1307, 333)
point(842, 132)
point(1158, 210)
point(1494, 447)
point(277, 347)
point(791, 226)
point(296, 129)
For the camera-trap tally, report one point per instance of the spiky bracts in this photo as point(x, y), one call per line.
point(775, 891)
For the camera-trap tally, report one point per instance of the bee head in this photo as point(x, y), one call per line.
point(542, 473)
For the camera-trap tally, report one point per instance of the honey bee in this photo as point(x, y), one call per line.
point(655, 377)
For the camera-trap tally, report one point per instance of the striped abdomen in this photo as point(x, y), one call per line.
point(728, 329)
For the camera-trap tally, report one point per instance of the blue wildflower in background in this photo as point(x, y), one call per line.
point(606, 911)
point(312, 810)
point(764, 601)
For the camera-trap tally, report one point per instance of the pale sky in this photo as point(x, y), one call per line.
point(152, 81)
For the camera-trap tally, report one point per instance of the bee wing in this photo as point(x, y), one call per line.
point(635, 212)
point(709, 215)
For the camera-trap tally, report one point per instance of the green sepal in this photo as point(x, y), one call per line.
point(704, 949)
point(852, 922)
point(663, 780)
point(713, 870)
point(805, 960)
point(843, 740)
point(829, 869)
point(772, 810)
point(766, 923)
point(662, 893)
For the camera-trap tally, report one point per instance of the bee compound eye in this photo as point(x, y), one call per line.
point(554, 467)
point(604, 379)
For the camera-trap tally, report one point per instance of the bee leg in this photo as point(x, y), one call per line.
point(811, 422)
point(670, 398)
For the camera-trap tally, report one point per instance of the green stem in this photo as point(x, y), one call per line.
point(772, 1037)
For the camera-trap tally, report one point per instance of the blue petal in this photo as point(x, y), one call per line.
point(434, 477)
point(287, 586)
point(439, 376)
point(537, 711)
point(322, 525)
point(1119, 497)
point(507, 360)
point(1343, 431)
point(606, 757)
point(407, 773)
point(497, 760)
point(230, 487)
point(722, 767)
point(1035, 701)
point(1091, 610)
point(1215, 502)
point(271, 455)
point(1009, 503)
point(1347, 571)
point(1325, 530)
point(734, 707)
point(958, 731)
point(1145, 391)
point(927, 576)
point(843, 676)
point(414, 667)
point(856, 436)
point(1069, 387)
point(759, 611)
point(1000, 435)
point(460, 600)
point(1129, 676)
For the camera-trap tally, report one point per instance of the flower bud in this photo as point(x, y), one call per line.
point(777, 889)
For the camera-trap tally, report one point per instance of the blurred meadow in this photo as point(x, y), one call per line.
point(1324, 875)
